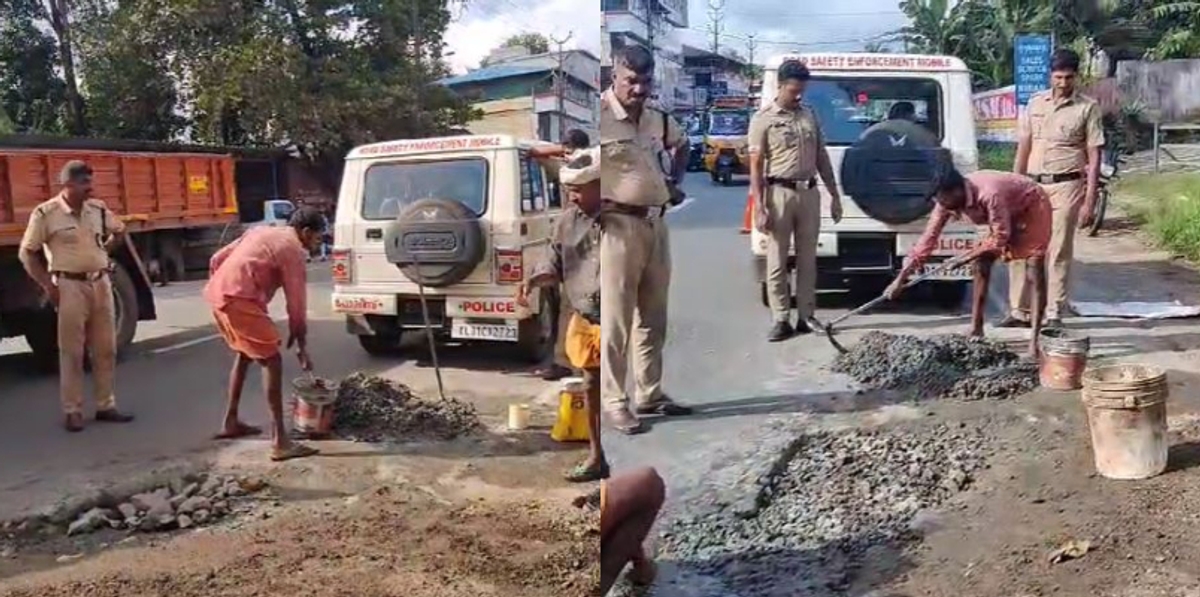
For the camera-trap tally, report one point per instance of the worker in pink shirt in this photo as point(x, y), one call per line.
point(1017, 213)
point(243, 278)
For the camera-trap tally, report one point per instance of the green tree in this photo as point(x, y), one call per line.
point(32, 95)
point(536, 43)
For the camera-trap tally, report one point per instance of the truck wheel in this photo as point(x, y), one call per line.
point(125, 306)
point(380, 345)
point(535, 336)
point(41, 332)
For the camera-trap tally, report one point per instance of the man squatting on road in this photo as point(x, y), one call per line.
point(1059, 146)
point(65, 250)
point(575, 264)
point(635, 251)
point(1017, 213)
point(628, 504)
point(243, 278)
point(558, 365)
point(787, 150)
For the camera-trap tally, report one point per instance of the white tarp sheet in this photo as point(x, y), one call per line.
point(1136, 310)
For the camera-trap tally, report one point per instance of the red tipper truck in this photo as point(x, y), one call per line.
point(162, 197)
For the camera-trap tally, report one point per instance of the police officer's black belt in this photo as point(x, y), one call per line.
point(795, 185)
point(81, 276)
point(637, 211)
point(1055, 178)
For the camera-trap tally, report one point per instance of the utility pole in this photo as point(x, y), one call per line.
point(560, 84)
point(716, 18)
point(651, 23)
point(751, 46)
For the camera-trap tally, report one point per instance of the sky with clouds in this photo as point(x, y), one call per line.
point(780, 25)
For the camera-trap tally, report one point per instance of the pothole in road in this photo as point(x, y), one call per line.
point(833, 503)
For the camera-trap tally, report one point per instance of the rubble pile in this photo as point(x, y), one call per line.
point(185, 503)
point(374, 409)
point(946, 366)
point(837, 500)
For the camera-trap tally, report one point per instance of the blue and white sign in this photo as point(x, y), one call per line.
point(1031, 63)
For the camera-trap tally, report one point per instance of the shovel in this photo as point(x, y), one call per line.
point(940, 269)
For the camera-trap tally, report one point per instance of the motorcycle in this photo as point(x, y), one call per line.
point(696, 155)
point(1108, 174)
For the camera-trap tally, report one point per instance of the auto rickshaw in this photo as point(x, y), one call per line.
point(725, 144)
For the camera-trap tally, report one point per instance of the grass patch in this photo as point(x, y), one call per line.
point(1167, 206)
point(997, 156)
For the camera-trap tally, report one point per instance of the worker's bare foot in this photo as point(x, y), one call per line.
point(976, 332)
point(237, 430)
point(292, 452)
point(642, 572)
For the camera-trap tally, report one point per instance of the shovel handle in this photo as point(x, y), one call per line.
point(941, 268)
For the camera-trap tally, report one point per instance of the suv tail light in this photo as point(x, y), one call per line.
point(510, 266)
point(342, 265)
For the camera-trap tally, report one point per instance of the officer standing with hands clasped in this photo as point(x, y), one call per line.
point(77, 232)
point(635, 252)
point(787, 150)
point(1059, 147)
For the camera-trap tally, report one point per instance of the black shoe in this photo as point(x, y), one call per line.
point(1052, 324)
point(113, 415)
point(782, 331)
point(802, 328)
point(666, 407)
point(1008, 321)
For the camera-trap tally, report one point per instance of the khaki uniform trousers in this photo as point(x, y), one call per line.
point(635, 277)
point(86, 322)
point(1066, 199)
point(795, 218)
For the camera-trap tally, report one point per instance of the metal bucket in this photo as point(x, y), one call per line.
point(312, 407)
point(1064, 358)
point(1127, 415)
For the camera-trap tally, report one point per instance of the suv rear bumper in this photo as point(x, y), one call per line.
point(846, 258)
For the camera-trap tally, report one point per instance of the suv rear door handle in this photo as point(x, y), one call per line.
point(374, 234)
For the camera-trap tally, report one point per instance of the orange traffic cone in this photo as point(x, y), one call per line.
point(748, 214)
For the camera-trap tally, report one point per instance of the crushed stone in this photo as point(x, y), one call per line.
point(833, 502)
point(374, 409)
point(947, 366)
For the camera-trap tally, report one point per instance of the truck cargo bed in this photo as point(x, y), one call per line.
point(149, 191)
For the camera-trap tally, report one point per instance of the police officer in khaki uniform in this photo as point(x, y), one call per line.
point(1061, 138)
point(787, 151)
point(65, 250)
point(636, 141)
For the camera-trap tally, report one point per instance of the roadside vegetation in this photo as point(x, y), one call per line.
point(996, 156)
point(1167, 207)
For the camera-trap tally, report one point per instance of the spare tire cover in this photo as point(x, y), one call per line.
point(892, 172)
point(435, 242)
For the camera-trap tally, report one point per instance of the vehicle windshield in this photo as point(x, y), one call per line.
point(848, 106)
point(390, 187)
point(729, 123)
point(282, 210)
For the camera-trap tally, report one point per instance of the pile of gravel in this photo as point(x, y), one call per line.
point(374, 409)
point(194, 500)
point(946, 366)
point(834, 501)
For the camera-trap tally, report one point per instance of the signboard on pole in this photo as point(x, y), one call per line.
point(1031, 63)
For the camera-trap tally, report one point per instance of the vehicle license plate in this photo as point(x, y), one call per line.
point(962, 272)
point(496, 332)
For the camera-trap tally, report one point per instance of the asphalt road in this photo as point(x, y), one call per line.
point(174, 381)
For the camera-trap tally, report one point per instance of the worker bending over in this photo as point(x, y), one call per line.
point(1017, 213)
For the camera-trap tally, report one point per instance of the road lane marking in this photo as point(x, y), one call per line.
point(188, 344)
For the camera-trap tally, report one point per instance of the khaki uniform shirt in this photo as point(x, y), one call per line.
point(74, 241)
point(790, 141)
point(575, 261)
point(1061, 132)
point(633, 153)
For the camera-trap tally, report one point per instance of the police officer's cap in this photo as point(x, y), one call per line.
point(794, 70)
point(75, 170)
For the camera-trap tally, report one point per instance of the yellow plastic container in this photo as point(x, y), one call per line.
point(572, 423)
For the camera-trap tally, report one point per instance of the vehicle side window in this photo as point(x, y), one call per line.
point(527, 194)
point(553, 193)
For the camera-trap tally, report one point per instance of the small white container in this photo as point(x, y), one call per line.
point(518, 417)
